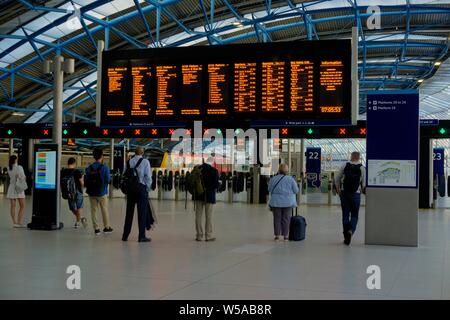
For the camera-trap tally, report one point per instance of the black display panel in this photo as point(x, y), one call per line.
point(285, 83)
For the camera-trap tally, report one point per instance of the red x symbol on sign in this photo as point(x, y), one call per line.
point(154, 131)
point(171, 131)
point(284, 131)
point(105, 132)
point(188, 131)
point(342, 131)
point(137, 132)
point(45, 132)
point(362, 131)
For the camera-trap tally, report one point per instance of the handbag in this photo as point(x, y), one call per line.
point(270, 208)
point(21, 184)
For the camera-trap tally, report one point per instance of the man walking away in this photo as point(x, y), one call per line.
point(72, 190)
point(350, 182)
point(96, 181)
point(137, 194)
point(209, 179)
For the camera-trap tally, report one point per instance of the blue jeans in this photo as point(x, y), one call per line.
point(350, 209)
point(77, 202)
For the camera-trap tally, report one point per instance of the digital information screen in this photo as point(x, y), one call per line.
point(116, 100)
point(273, 87)
point(302, 86)
point(331, 91)
point(245, 87)
point(295, 82)
point(218, 89)
point(141, 93)
point(166, 101)
point(45, 174)
point(191, 90)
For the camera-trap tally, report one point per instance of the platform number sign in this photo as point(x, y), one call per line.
point(438, 161)
point(119, 158)
point(313, 167)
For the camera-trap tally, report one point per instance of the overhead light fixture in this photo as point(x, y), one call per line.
point(237, 24)
point(420, 80)
point(437, 63)
point(18, 114)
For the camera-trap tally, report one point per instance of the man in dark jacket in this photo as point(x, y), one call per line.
point(210, 178)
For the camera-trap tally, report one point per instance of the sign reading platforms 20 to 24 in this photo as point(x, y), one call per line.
point(298, 80)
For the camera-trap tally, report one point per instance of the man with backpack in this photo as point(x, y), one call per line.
point(350, 182)
point(96, 180)
point(136, 185)
point(72, 191)
point(202, 183)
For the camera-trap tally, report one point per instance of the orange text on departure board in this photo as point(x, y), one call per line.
point(115, 81)
point(245, 87)
point(273, 74)
point(191, 76)
point(331, 75)
point(165, 101)
point(331, 82)
point(217, 85)
point(302, 86)
point(139, 106)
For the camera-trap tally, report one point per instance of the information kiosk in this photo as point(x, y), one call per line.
point(45, 188)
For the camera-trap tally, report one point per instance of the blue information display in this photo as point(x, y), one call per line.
point(313, 167)
point(438, 161)
point(392, 138)
point(45, 173)
point(119, 158)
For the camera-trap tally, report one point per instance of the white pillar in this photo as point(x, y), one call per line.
point(11, 147)
point(58, 86)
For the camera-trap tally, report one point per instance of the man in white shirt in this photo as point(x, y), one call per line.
point(350, 181)
point(140, 198)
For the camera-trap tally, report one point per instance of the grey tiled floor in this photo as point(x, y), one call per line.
point(244, 262)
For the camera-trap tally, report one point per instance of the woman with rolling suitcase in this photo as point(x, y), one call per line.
point(282, 189)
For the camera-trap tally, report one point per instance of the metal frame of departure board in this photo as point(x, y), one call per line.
point(231, 85)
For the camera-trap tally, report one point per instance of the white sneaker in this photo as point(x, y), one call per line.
point(84, 222)
point(77, 225)
point(19, 226)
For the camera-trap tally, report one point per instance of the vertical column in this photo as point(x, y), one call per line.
point(392, 168)
point(111, 164)
point(58, 78)
point(289, 156)
point(425, 173)
point(11, 147)
point(98, 97)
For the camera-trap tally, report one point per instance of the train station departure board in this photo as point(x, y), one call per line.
point(293, 81)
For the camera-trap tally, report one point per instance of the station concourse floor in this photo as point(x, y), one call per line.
point(244, 262)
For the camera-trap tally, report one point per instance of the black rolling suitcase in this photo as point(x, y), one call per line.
point(297, 227)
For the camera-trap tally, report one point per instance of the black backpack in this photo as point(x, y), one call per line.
point(94, 181)
point(68, 186)
point(352, 177)
point(130, 179)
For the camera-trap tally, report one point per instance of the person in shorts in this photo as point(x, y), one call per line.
point(76, 204)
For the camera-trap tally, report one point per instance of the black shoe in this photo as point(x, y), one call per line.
point(350, 234)
point(145, 240)
point(97, 232)
point(108, 230)
point(124, 238)
point(347, 238)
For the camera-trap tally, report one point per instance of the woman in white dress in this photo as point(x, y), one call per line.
point(14, 194)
